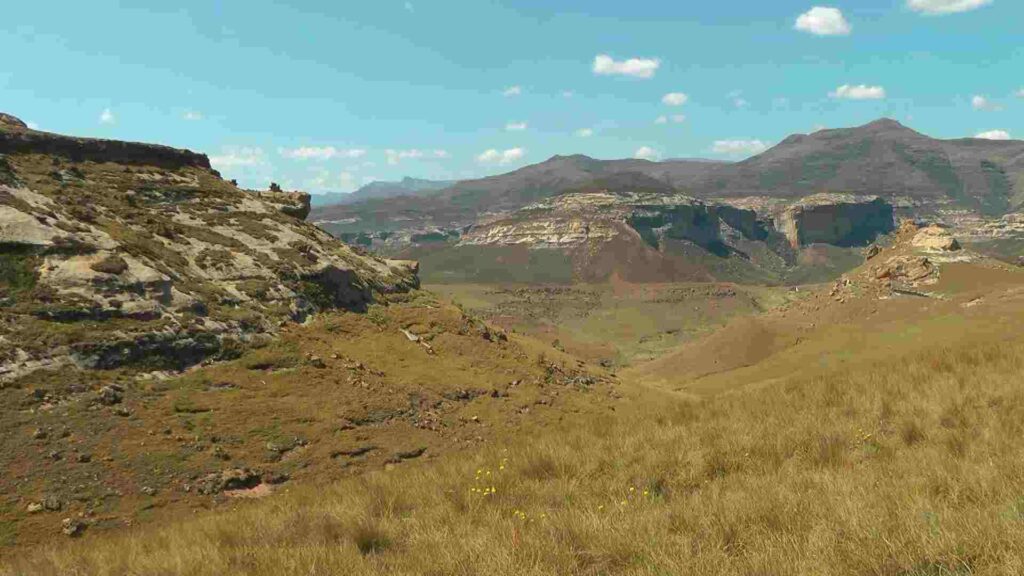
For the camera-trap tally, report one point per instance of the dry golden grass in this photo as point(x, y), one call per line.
point(912, 467)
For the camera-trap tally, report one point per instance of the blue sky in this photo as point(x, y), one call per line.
point(327, 95)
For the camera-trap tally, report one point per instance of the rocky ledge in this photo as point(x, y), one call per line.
point(116, 253)
point(578, 219)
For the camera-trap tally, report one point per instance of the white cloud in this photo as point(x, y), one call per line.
point(605, 65)
point(585, 132)
point(321, 153)
point(740, 103)
point(107, 117)
point(396, 156)
point(675, 119)
point(568, 94)
point(515, 126)
point(32, 125)
point(674, 99)
point(409, 7)
point(192, 115)
point(823, 21)
point(984, 104)
point(238, 156)
point(859, 92)
point(945, 6)
point(646, 153)
point(994, 135)
point(493, 156)
point(513, 91)
point(739, 147)
point(1020, 93)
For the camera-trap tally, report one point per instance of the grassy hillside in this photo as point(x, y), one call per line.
point(345, 394)
point(901, 458)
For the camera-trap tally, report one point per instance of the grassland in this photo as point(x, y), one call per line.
point(902, 458)
point(618, 323)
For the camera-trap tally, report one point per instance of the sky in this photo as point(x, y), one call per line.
point(327, 95)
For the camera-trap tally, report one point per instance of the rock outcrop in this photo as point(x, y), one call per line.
point(116, 253)
point(576, 219)
point(837, 219)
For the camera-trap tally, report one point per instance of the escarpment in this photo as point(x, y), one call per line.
point(115, 253)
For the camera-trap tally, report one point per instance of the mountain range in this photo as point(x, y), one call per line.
point(920, 174)
point(381, 189)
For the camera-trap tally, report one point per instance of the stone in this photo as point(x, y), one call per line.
point(34, 508)
point(231, 479)
point(111, 395)
point(935, 239)
point(112, 264)
point(72, 527)
point(148, 491)
point(52, 504)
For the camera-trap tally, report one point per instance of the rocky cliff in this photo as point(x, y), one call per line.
point(115, 253)
point(837, 219)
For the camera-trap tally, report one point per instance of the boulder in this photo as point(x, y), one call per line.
point(935, 239)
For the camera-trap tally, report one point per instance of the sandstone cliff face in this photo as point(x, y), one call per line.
point(837, 219)
point(573, 220)
point(114, 253)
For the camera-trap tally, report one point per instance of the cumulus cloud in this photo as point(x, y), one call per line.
point(585, 132)
point(646, 153)
point(513, 91)
point(859, 92)
point(605, 65)
point(675, 119)
point(945, 6)
point(32, 125)
point(192, 115)
point(568, 94)
point(515, 126)
point(984, 104)
point(674, 99)
point(1020, 93)
point(107, 117)
point(321, 153)
point(493, 156)
point(739, 147)
point(823, 21)
point(238, 156)
point(396, 156)
point(993, 135)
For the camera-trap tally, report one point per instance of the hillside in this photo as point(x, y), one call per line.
point(853, 418)
point(922, 174)
point(118, 253)
point(171, 343)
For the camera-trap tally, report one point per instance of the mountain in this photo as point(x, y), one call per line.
point(462, 203)
point(972, 185)
point(119, 253)
point(923, 174)
point(381, 189)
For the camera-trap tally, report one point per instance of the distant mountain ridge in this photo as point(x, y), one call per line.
point(382, 189)
point(922, 176)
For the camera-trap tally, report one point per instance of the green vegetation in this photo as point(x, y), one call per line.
point(17, 270)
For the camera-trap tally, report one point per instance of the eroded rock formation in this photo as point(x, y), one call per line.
point(147, 256)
